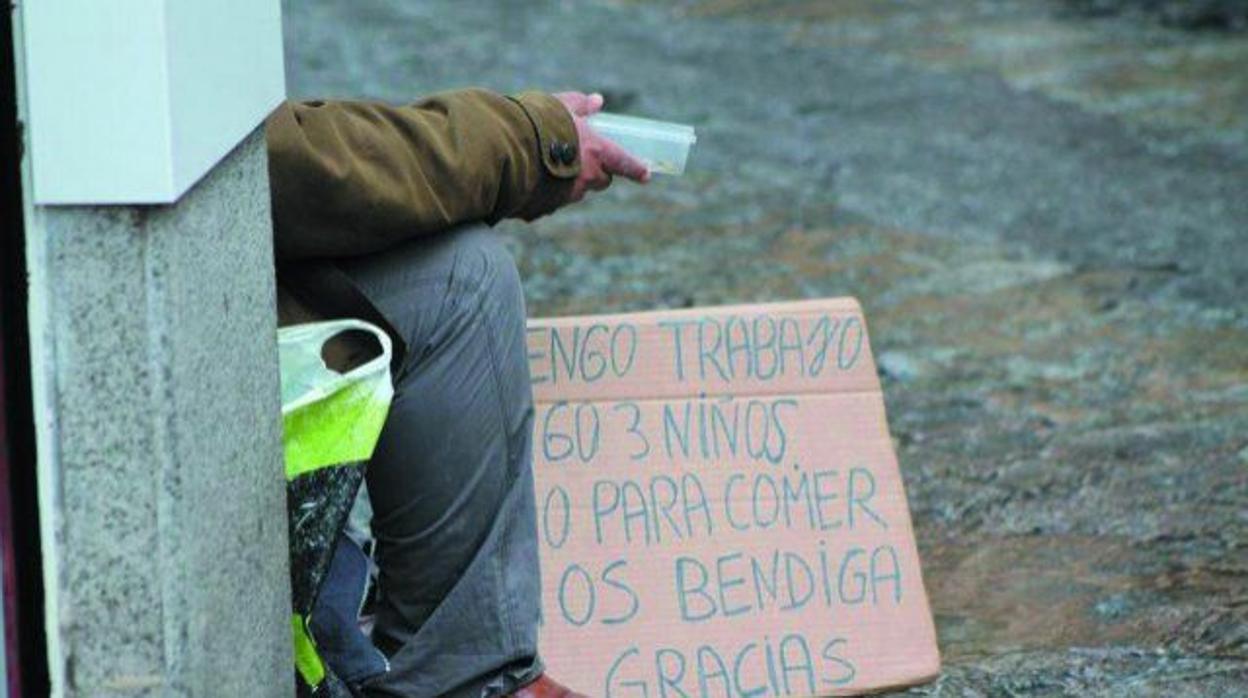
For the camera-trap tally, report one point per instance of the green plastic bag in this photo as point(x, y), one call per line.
point(330, 422)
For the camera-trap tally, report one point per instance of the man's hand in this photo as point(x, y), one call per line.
point(601, 159)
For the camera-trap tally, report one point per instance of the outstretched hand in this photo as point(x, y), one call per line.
point(601, 159)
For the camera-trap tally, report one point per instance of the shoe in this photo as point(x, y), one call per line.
point(546, 687)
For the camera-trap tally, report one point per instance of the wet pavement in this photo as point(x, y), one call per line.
point(1045, 217)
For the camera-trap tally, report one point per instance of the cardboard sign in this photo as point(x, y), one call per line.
point(719, 507)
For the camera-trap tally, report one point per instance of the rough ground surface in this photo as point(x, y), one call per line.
point(1045, 217)
point(1225, 15)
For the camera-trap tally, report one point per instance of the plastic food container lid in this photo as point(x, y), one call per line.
point(643, 128)
point(662, 145)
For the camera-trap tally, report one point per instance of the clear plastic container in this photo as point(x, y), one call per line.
point(662, 145)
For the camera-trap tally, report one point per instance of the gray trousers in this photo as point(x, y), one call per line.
point(451, 481)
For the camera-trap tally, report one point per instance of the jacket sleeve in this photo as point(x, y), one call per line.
point(349, 178)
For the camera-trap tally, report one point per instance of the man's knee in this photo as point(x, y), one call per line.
point(485, 269)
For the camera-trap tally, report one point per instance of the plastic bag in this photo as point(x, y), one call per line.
point(330, 425)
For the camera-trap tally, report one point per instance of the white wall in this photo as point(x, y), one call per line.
point(132, 101)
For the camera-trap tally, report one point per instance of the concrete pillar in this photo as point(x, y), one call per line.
point(162, 494)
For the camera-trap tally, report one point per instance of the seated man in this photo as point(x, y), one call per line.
point(369, 205)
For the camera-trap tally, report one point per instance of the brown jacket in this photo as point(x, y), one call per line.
point(353, 178)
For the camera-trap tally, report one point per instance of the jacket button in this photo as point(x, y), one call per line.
point(563, 153)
